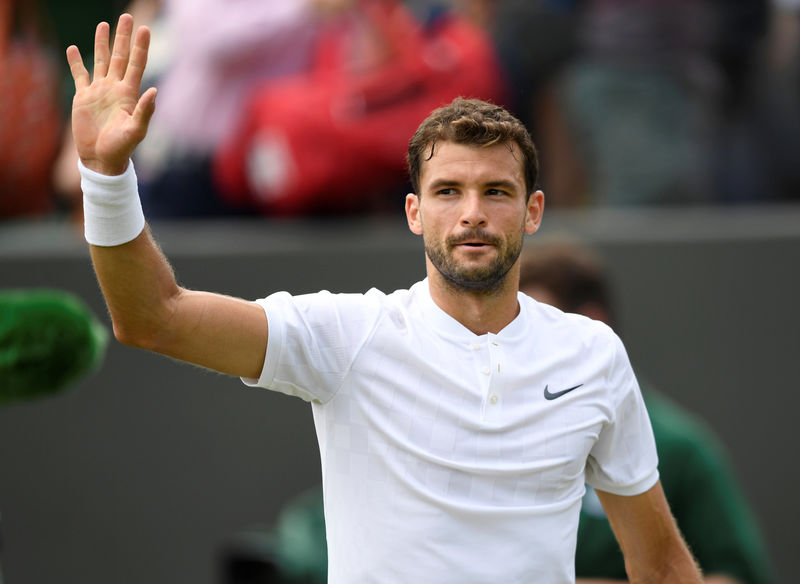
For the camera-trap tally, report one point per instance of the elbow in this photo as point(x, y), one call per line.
point(132, 335)
point(144, 329)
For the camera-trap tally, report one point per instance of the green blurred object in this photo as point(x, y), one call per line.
point(300, 544)
point(49, 339)
point(292, 551)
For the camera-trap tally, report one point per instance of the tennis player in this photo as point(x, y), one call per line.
point(458, 419)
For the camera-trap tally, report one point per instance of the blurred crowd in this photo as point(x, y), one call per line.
point(305, 107)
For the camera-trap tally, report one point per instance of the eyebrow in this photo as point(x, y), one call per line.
point(444, 182)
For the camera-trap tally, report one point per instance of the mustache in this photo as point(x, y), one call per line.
point(472, 235)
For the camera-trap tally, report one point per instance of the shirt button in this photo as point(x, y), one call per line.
point(485, 371)
point(493, 399)
point(474, 346)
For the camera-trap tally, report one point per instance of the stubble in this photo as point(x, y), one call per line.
point(486, 278)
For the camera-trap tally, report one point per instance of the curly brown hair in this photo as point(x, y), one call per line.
point(472, 122)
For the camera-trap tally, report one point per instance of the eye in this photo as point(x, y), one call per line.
point(495, 192)
point(446, 191)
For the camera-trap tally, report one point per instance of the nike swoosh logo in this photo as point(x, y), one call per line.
point(557, 394)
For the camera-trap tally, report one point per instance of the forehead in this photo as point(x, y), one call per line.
point(466, 163)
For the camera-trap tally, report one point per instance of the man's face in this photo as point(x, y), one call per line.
point(472, 213)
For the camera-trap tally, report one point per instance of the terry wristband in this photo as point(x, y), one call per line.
point(111, 208)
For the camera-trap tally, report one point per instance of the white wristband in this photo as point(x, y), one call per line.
point(112, 212)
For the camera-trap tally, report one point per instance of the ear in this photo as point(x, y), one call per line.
point(413, 214)
point(535, 210)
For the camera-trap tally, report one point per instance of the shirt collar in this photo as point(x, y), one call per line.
point(446, 325)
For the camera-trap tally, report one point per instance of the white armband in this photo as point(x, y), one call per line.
point(112, 211)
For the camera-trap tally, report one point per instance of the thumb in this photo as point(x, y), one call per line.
point(144, 110)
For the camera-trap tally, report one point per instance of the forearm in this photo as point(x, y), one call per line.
point(651, 543)
point(136, 279)
point(150, 311)
point(148, 308)
point(676, 567)
point(139, 288)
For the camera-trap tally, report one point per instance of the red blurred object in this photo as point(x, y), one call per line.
point(332, 139)
point(30, 118)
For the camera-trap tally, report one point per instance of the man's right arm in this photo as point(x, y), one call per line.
point(150, 311)
point(148, 308)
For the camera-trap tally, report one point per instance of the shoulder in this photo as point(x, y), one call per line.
point(344, 300)
point(343, 310)
point(569, 328)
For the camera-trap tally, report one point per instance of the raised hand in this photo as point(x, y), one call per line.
point(109, 118)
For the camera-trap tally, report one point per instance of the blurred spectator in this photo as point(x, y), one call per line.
point(784, 102)
point(357, 49)
point(206, 57)
point(535, 40)
point(30, 114)
point(699, 483)
point(293, 551)
point(333, 140)
point(765, 149)
point(309, 59)
point(220, 51)
point(651, 87)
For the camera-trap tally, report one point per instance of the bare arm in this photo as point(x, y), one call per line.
point(149, 310)
point(147, 306)
point(651, 543)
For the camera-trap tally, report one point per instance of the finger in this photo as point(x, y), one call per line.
point(101, 55)
point(138, 60)
point(79, 73)
point(122, 47)
point(143, 111)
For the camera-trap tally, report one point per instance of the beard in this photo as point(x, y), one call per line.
point(485, 278)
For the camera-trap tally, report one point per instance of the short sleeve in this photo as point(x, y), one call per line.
point(623, 461)
point(314, 340)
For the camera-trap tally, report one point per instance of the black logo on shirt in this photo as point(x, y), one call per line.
point(557, 394)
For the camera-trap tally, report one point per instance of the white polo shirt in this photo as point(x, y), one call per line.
point(454, 457)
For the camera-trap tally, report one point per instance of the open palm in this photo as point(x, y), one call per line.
point(109, 118)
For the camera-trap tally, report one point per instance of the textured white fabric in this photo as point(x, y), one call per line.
point(442, 459)
point(112, 210)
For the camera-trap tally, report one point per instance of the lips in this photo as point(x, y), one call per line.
point(472, 243)
point(473, 240)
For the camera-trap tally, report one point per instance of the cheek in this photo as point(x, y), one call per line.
point(432, 220)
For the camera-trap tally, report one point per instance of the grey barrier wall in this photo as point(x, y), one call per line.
point(144, 470)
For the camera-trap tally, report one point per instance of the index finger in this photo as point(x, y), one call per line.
point(79, 73)
point(138, 58)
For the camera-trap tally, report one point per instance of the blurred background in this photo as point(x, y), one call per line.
point(669, 135)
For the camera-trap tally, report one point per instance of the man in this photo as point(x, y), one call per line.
point(699, 483)
point(454, 444)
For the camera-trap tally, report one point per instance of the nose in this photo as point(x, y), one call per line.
point(473, 211)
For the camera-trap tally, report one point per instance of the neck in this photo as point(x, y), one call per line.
point(479, 311)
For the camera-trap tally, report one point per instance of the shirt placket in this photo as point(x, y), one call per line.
point(489, 358)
